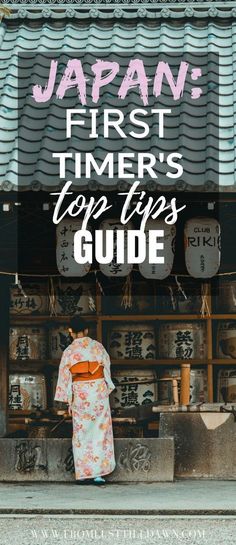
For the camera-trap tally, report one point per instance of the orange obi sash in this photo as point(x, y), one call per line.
point(86, 370)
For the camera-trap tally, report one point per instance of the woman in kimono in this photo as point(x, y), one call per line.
point(88, 403)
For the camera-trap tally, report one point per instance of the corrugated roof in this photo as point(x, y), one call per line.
point(133, 36)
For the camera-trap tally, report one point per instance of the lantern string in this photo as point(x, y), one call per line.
point(95, 271)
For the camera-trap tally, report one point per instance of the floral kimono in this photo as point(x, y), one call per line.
point(92, 442)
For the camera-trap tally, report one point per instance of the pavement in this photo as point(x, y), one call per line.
point(185, 497)
point(115, 530)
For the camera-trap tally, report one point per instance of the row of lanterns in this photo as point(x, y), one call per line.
point(180, 340)
point(28, 391)
point(201, 243)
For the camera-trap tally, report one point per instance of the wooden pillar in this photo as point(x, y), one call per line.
point(4, 348)
point(185, 384)
point(209, 348)
point(175, 391)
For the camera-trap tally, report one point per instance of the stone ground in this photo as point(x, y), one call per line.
point(183, 512)
point(179, 497)
point(116, 530)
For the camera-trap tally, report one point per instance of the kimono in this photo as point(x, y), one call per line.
point(92, 441)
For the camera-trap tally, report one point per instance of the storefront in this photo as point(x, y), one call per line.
point(151, 323)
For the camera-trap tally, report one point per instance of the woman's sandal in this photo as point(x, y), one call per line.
point(99, 480)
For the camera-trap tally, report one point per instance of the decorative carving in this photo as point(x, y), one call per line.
point(29, 457)
point(135, 457)
point(119, 9)
point(110, 2)
point(69, 461)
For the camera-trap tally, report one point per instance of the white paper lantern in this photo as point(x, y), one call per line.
point(159, 270)
point(202, 247)
point(66, 264)
point(113, 268)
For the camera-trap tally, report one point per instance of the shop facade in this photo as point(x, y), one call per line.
point(152, 326)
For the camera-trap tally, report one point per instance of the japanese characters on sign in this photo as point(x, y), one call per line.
point(28, 343)
point(27, 391)
point(132, 341)
point(36, 301)
point(202, 240)
point(66, 263)
point(136, 393)
point(160, 270)
point(182, 340)
point(113, 268)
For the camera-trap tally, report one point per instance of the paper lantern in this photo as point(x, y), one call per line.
point(202, 247)
point(113, 268)
point(66, 264)
point(159, 270)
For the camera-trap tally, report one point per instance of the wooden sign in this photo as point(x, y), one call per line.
point(202, 247)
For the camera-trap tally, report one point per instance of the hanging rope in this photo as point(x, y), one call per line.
point(19, 286)
point(127, 293)
point(52, 298)
point(173, 302)
point(180, 289)
point(98, 283)
point(95, 271)
point(205, 310)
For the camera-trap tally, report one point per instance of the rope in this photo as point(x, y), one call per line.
point(32, 275)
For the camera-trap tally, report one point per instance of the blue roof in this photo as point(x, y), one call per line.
point(53, 32)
